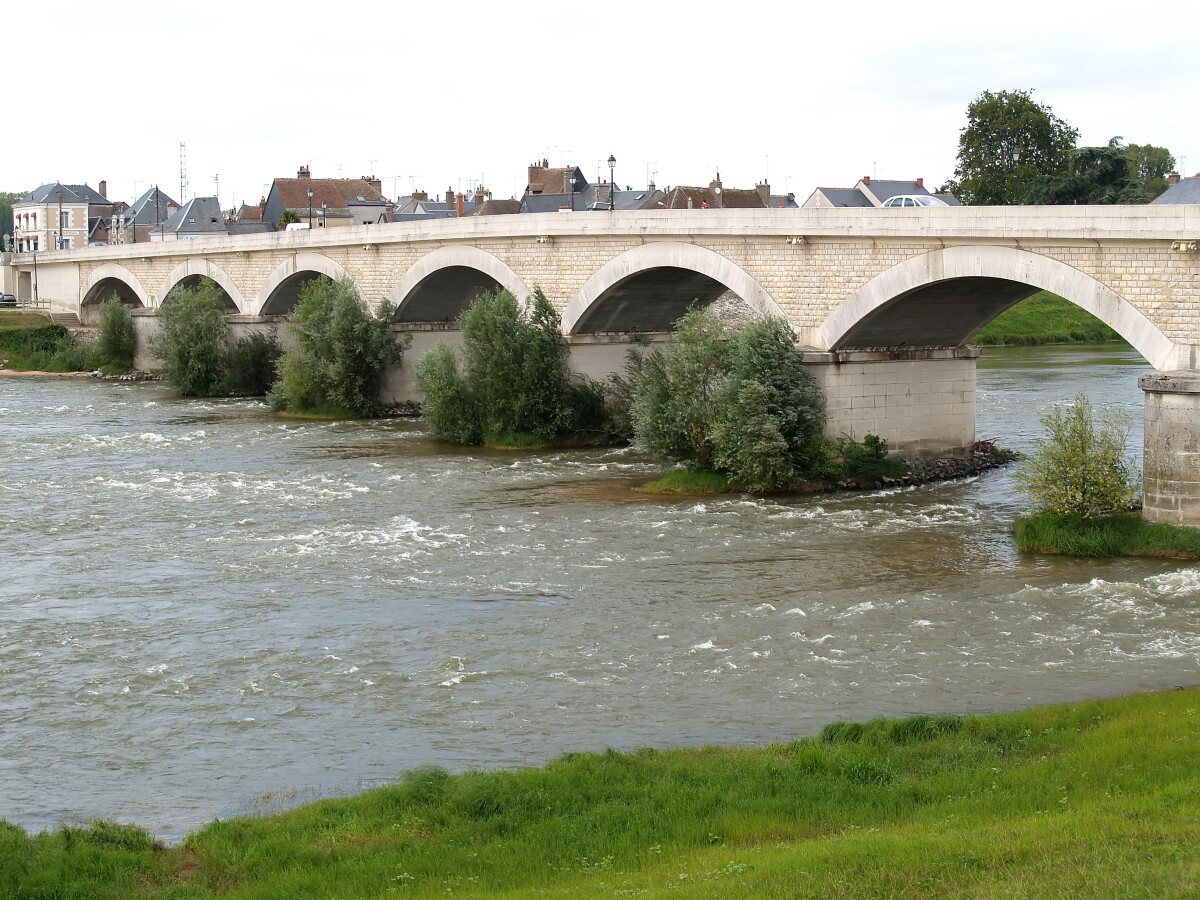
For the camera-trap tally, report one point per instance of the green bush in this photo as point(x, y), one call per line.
point(867, 462)
point(514, 384)
point(1081, 466)
point(339, 354)
point(253, 364)
point(193, 340)
point(736, 402)
point(115, 339)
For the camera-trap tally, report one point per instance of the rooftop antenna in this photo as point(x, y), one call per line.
point(182, 171)
point(217, 188)
point(372, 162)
point(135, 188)
point(395, 179)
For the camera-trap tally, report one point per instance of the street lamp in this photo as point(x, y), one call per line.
point(60, 234)
point(324, 212)
point(612, 183)
point(310, 209)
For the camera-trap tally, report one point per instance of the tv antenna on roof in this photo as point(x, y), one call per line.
point(182, 171)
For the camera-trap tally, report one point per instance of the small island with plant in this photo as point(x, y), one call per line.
point(1085, 488)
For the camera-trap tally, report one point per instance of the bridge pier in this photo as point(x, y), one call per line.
point(921, 400)
point(1171, 464)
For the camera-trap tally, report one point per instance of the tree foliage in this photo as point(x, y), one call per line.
point(1149, 166)
point(514, 378)
point(193, 339)
point(1081, 466)
point(737, 402)
point(115, 339)
point(253, 364)
point(1011, 146)
point(339, 353)
point(7, 199)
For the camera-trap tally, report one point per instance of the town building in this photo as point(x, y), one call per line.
point(134, 224)
point(199, 217)
point(62, 216)
point(871, 192)
point(334, 202)
point(1180, 190)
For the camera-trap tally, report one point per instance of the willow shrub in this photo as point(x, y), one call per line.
point(193, 340)
point(512, 381)
point(253, 365)
point(736, 402)
point(115, 338)
point(340, 351)
point(1081, 467)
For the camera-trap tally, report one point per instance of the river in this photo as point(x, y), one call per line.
point(206, 610)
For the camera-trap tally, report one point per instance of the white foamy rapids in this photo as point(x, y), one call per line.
point(412, 538)
point(883, 519)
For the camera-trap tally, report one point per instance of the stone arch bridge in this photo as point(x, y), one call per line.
point(886, 301)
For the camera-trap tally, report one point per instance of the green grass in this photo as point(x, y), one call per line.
point(685, 481)
point(1098, 799)
point(21, 318)
point(1121, 534)
point(1044, 318)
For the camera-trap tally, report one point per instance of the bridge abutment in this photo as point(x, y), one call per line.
point(1171, 463)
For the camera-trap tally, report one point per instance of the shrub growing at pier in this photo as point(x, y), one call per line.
point(115, 339)
point(736, 402)
point(1081, 467)
point(193, 340)
point(339, 353)
point(512, 384)
point(253, 365)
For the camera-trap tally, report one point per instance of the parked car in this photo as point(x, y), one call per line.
point(8, 300)
point(912, 200)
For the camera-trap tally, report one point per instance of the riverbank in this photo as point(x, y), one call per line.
point(1044, 318)
point(1098, 799)
point(1118, 534)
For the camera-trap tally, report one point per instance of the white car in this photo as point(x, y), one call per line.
point(912, 200)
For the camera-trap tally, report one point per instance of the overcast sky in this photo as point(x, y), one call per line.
point(435, 95)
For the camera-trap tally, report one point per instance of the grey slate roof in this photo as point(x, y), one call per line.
point(142, 210)
point(845, 196)
point(882, 190)
point(1187, 190)
point(72, 193)
point(201, 215)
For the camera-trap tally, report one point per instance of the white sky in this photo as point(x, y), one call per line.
point(433, 94)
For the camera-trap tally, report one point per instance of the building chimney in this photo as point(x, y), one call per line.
point(1172, 179)
point(458, 204)
point(420, 195)
point(866, 179)
point(376, 183)
point(920, 182)
point(652, 187)
point(104, 189)
point(303, 172)
point(450, 197)
point(764, 191)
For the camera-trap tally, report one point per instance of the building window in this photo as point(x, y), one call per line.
point(64, 219)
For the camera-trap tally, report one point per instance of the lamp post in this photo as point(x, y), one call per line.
point(60, 234)
point(324, 212)
point(310, 209)
point(612, 183)
point(572, 193)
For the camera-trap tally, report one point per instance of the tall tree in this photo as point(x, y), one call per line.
point(1010, 148)
point(1096, 175)
point(1149, 166)
point(7, 199)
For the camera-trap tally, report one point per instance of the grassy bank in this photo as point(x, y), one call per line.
point(30, 342)
point(1097, 799)
point(1121, 534)
point(1044, 318)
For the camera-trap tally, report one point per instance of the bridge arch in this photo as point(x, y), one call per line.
point(943, 297)
point(443, 282)
point(106, 279)
point(281, 291)
point(190, 272)
point(674, 273)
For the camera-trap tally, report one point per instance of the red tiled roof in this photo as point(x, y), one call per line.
point(338, 193)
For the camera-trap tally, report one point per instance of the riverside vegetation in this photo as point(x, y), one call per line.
point(1085, 486)
point(31, 342)
point(1096, 799)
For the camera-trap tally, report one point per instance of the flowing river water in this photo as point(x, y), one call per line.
point(206, 610)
